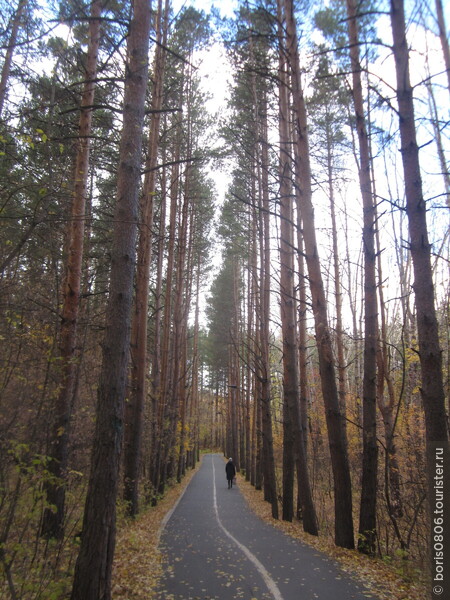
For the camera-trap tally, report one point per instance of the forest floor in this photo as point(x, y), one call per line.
point(138, 562)
point(396, 580)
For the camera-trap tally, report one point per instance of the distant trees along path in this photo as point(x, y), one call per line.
point(228, 232)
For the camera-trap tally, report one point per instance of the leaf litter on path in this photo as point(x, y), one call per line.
point(380, 580)
point(138, 560)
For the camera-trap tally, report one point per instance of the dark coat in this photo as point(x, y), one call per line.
point(230, 470)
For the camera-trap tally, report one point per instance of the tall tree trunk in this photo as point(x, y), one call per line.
point(335, 422)
point(253, 304)
point(388, 408)
point(139, 368)
point(389, 411)
point(157, 342)
point(262, 171)
point(429, 350)
point(302, 349)
point(253, 434)
point(187, 429)
point(293, 444)
point(92, 580)
point(367, 514)
point(194, 413)
point(341, 368)
point(166, 376)
point(444, 39)
point(235, 379)
point(6, 69)
point(432, 388)
point(356, 378)
point(257, 424)
point(270, 485)
point(53, 520)
point(440, 146)
point(287, 303)
point(180, 321)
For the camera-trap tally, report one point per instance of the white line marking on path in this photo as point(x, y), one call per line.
point(270, 583)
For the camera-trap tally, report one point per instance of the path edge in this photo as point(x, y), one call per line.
point(173, 508)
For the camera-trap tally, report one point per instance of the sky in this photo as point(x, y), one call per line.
point(216, 80)
point(226, 7)
point(216, 77)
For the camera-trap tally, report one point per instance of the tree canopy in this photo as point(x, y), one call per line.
point(266, 274)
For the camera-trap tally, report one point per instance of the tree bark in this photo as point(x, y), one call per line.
point(6, 69)
point(432, 389)
point(268, 453)
point(335, 423)
point(389, 409)
point(167, 377)
point(253, 305)
point(157, 338)
point(53, 519)
point(180, 318)
point(440, 146)
point(235, 377)
point(194, 413)
point(138, 379)
point(341, 368)
point(293, 444)
point(368, 504)
point(302, 349)
point(92, 580)
point(287, 305)
point(443, 38)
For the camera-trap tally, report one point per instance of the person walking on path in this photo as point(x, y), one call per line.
point(230, 470)
point(233, 553)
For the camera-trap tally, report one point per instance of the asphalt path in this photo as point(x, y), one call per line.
point(216, 548)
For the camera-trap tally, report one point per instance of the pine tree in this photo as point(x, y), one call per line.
point(92, 578)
